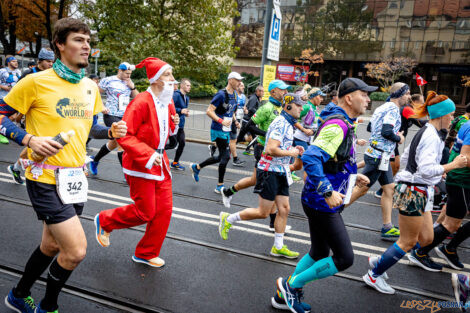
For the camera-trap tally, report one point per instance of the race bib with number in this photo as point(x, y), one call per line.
point(227, 128)
point(123, 102)
point(239, 114)
point(430, 202)
point(290, 181)
point(72, 185)
point(351, 184)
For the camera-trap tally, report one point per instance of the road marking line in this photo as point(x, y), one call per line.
point(249, 230)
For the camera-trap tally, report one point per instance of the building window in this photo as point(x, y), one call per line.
point(393, 5)
point(261, 15)
point(392, 44)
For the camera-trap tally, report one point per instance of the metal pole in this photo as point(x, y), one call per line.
point(96, 66)
point(267, 28)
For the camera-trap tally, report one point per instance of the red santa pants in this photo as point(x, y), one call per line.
point(153, 205)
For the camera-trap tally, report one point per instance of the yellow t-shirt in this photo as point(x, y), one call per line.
point(53, 105)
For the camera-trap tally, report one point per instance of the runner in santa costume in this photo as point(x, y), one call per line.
point(150, 118)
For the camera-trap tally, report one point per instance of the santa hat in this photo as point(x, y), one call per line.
point(154, 67)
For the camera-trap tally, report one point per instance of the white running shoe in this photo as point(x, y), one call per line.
point(378, 283)
point(373, 260)
point(226, 200)
point(288, 227)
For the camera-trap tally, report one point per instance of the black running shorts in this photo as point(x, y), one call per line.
point(371, 170)
point(110, 119)
point(458, 201)
point(257, 151)
point(47, 204)
point(271, 184)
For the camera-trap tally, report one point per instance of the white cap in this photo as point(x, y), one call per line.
point(235, 75)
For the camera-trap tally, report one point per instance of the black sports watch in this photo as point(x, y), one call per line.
point(328, 194)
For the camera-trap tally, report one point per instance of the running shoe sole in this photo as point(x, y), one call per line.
point(283, 291)
point(137, 260)
point(225, 200)
point(238, 164)
point(282, 256)
point(442, 255)
point(288, 227)
point(413, 260)
point(11, 306)
point(369, 283)
point(455, 286)
point(282, 306)
point(13, 176)
point(279, 306)
point(96, 221)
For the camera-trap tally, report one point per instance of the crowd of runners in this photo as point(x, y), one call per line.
point(52, 110)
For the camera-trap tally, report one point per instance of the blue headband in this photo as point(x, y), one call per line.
point(440, 109)
point(9, 59)
point(399, 93)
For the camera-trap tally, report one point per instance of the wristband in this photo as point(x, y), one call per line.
point(220, 121)
point(110, 134)
point(133, 88)
point(27, 144)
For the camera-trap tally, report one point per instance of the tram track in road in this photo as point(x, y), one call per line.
point(292, 215)
point(104, 299)
point(89, 294)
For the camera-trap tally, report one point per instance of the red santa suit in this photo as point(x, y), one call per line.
point(149, 124)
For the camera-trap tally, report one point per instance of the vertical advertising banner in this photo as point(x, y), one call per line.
point(269, 75)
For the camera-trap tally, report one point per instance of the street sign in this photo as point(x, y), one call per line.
point(95, 53)
point(274, 37)
point(21, 50)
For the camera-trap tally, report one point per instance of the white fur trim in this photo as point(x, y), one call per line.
point(159, 73)
point(143, 175)
point(150, 162)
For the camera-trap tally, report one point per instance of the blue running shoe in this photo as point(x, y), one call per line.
point(20, 305)
point(218, 189)
point(177, 166)
point(279, 303)
point(93, 166)
point(461, 289)
point(39, 310)
point(291, 295)
point(195, 172)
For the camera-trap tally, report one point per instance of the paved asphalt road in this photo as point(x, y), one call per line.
point(203, 272)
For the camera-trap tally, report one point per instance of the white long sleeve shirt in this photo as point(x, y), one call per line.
point(428, 155)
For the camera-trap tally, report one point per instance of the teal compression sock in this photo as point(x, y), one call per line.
point(320, 269)
point(303, 264)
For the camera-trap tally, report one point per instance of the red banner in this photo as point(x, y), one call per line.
point(292, 73)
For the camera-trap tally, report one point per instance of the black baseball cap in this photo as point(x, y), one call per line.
point(352, 84)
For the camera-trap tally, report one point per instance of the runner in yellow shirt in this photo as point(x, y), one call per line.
point(57, 100)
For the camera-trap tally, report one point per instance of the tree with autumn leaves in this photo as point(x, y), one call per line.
point(29, 21)
point(390, 70)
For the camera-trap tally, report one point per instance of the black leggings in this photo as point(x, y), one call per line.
point(222, 158)
point(181, 139)
point(327, 231)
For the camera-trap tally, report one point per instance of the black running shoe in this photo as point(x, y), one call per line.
point(451, 257)
point(212, 149)
point(16, 175)
point(238, 162)
point(424, 261)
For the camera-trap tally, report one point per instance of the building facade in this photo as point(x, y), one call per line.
point(351, 33)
